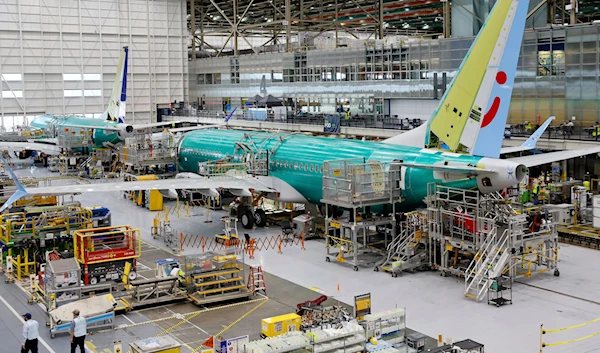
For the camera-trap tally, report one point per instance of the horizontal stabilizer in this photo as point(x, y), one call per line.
point(539, 159)
point(20, 189)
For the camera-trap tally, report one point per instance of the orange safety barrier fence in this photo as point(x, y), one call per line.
point(255, 244)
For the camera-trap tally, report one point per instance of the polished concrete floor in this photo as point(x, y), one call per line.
point(435, 305)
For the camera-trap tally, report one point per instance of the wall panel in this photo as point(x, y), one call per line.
point(42, 39)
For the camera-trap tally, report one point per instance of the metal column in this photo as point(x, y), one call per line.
point(446, 18)
point(193, 27)
point(288, 25)
point(381, 28)
point(235, 28)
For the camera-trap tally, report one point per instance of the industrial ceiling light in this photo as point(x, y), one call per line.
point(350, 18)
point(405, 25)
point(407, 9)
point(269, 20)
point(426, 26)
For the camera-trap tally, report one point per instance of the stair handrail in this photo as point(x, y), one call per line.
point(479, 260)
point(479, 276)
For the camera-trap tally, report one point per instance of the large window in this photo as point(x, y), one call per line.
point(12, 77)
point(12, 94)
point(92, 93)
point(73, 93)
point(551, 59)
point(84, 77)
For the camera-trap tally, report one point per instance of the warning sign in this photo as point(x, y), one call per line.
point(362, 305)
point(234, 345)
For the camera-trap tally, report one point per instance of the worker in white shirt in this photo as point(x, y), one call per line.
point(30, 335)
point(78, 331)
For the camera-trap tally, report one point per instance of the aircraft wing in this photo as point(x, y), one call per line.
point(100, 127)
point(191, 128)
point(513, 149)
point(530, 143)
point(230, 183)
point(47, 148)
point(201, 127)
point(545, 158)
point(163, 123)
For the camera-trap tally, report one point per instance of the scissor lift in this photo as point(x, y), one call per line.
point(103, 252)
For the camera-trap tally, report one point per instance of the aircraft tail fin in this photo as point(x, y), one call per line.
point(472, 113)
point(20, 188)
point(116, 106)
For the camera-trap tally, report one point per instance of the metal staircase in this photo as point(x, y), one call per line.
point(500, 208)
point(83, 164)
point(402, 252)
point(489, 262)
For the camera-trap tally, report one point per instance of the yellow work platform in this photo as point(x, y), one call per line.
point(218, 273)
point(583, 235)
point(199, 299)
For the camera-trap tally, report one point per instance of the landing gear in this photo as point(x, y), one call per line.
point(260, 217)
point(246, 217)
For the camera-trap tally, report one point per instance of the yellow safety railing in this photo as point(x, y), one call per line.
point(13, 224)
point(21, 264)
point(544, 331)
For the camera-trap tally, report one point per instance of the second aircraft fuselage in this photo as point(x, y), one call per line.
point(100, 137)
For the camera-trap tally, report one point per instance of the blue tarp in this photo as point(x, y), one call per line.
point(332, 124)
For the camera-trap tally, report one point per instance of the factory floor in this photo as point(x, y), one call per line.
point(435, 305)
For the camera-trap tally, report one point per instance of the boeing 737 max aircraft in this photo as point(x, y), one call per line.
point(460, 144)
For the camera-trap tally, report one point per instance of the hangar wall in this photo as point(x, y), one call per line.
point(60, 56)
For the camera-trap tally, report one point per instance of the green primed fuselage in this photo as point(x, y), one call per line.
point(100, 136)
point(309, 152)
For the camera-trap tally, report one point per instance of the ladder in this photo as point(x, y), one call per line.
point(489, 262)
point(256, 280)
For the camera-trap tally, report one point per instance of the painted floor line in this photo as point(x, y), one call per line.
point(19, 317)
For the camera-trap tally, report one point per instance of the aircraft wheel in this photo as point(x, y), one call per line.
point(260, 217)
point(246, 217)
